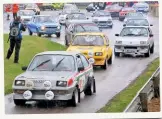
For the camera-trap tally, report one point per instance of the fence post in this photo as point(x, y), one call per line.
point(144, 101)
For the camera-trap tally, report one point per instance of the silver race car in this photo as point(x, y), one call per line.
point(55, 75)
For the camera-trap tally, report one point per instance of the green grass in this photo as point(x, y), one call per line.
point(30, 46)
point(121, 100)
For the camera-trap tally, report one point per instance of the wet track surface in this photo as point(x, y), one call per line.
point(108, 82)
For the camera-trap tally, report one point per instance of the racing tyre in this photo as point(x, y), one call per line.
point(19, 102)
point(91, 87)
point(49, 35)
point(152, 49)
point(57, 35)
point(110, 60)
point(75, 98)
point(148, 53)
point(116, 54)
point(104, 66)
point(30, 33)
point(39, 34)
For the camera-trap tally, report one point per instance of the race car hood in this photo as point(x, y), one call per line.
point(86, 49)
point(26, 17)
point(102, 18)
point(46, 75)
point(48, 24)
point(132, 40)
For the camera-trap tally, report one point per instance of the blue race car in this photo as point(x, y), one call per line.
point(43, 24)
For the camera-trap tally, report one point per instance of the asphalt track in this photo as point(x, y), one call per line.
point(108, 83)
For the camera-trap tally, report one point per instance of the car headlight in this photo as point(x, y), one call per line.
point(43, 27)
point(143, 42)
point(61, 83)
point(118, 42)
point(19, 83)
point(98, 53)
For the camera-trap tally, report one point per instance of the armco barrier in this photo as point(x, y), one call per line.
point(147, 92)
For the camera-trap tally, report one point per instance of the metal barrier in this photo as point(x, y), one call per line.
point(146, 93)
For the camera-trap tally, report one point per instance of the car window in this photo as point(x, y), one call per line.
point(79, 62)
point(42, 19)
point(84, 60)
point(78, 28)
point(137, 22)
point(90, 27)
point(134, 31)
point(88, 40)
point(52, 63)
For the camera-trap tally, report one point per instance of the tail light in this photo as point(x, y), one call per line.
point(70, 82)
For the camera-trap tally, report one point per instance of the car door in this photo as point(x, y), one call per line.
point(81, 78)
point(108, 49)
point(31, 25)
point(151, 39)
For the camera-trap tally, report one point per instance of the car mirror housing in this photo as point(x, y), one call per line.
point(124, 25)
point(80, 69)
point(151, 35)
point(151, 25)
point(24, 68)
point(116, 34)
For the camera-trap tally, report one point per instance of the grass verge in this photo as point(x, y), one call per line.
point(30, 46)
point(121, 100)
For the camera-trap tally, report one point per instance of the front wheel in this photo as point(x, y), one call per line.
point(152, 49)
point(19, 102)
point(57, 35)
point(75, 98)
point(30, 33)
point(148, 53)
point(110, 60)
point(105, 65)
point(39, 34)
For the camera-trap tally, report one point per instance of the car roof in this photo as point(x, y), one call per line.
point(91, 33)
point(59, 53)
point(82, 22)
point(136, 26)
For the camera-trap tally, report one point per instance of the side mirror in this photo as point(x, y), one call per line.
point(151, 25)
point(151, 35)
point(87, 18)
point(24, 68)
point(124, 25)
point(80, 69)
point(66, 18)
point(116, 34)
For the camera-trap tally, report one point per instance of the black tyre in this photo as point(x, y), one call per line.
point(57, 35)
point(49, 35)
point(30, 33)
point(91, 87)
point(152, 49)
point(148, 53)
point(105, 65)
point(39, 34)
point(110, 60)
point(116, 54)
point(111, 26)
point(19, 102)
point(66, 41)
point(75, 98)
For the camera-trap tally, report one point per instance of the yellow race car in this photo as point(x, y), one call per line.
point(95, 46)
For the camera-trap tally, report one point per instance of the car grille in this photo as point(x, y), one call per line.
point(114, 14)
point(102, 21)
point(130, 47)
point(42, 92)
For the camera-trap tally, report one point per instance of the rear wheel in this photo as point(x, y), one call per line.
point(49, 35)
point(30, 33)
point(91, 87)
point(39, 34)
point(19, 102)
point(152, 49)
point(117, 54)
point(110, 60)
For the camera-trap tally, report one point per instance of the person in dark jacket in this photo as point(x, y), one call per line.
point(15, 42)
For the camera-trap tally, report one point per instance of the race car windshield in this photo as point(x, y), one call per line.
point(89, 28)
point(136, 22)
point(134, 32)
point(52, 63)
point(101, 13)
point(31, 6)
point(127, 9)
point(134, 15)
point(26, 13)
point(88, 40)
point(76, 16)
point(43, 19)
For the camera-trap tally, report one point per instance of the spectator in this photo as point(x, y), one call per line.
point(15, 9)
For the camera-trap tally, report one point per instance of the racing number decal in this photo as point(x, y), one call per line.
point(82, 82)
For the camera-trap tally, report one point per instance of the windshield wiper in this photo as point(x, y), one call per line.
point(129, 35)
point(58, 63)
point(41, 64)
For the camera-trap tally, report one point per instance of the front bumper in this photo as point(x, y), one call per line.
point(103, 25)
point(133, 50)
point(49, 32)
point(40, 95)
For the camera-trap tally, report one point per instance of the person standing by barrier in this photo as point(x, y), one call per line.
point(15, 9)
point(15, 37)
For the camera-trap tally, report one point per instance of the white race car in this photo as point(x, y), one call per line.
point(102, 19)
point(134, 40)
point(26, 15)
